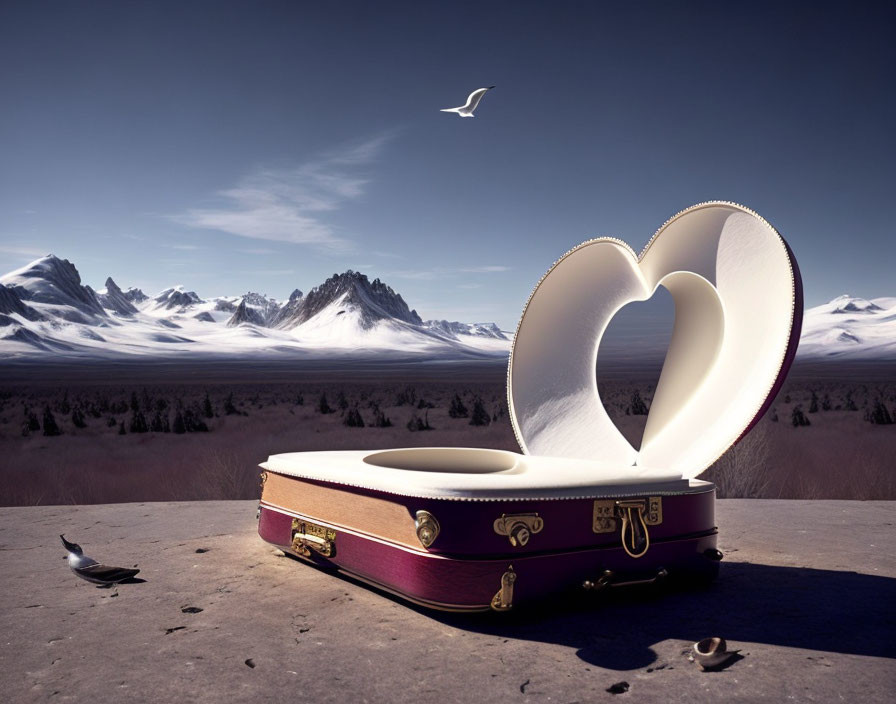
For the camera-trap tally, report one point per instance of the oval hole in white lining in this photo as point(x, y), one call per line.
point(461, 460)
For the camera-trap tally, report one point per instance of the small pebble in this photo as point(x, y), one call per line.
point(618, 688)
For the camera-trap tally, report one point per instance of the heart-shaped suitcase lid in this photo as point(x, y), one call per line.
point(738, 314)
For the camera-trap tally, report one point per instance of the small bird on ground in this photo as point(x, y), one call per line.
point(93, 571)
point(472, 101)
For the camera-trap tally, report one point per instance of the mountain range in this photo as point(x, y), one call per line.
point(45, 310)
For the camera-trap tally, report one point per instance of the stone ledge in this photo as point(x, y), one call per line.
point(806, 593)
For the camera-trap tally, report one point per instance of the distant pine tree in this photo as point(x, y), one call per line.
point(341, 401)
point(813, 404)
point(798, 418)
point(78, 418)
point(50, 427)
point(207, 409)
point(353, 418)
point(193, 423)
point(879, 415)
point(32, 422)
point(323, 406)
point(639, 408)
point(121, 430)
point(826, 403)
point(118, 407)
point(229, 408)
point(179, 427)
point(110, 422)
point(64, 406)
point(138, 422)
point(417, 423)
point(406, 396)
point(480, 415)
point(380, 420)
point(457, 409)
point(156, 425)
point(300, 400)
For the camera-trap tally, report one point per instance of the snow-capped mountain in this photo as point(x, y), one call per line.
point(52, 288)
point(135, 295)
point(850, 328)
point(366, 302)
point(176, 298)
point(114, 299)
point(44, 309)
point(453, 329)
point(246, 314)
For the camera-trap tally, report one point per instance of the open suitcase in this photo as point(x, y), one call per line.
point(467, 529)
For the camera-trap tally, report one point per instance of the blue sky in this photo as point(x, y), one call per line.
point(264, 146)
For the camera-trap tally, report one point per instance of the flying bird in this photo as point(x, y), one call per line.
point(93, 571)
point(472, 101)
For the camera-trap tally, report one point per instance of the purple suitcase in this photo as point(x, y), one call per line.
point(468, 530)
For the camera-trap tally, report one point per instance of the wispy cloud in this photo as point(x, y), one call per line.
point(290, 204)
point(184, 247)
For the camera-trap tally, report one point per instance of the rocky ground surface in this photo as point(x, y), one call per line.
point(806, 595)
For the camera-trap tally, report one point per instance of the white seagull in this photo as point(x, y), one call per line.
point(472, 101)
point(89, 569)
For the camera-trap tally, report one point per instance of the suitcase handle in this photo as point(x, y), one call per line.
point(606, 580)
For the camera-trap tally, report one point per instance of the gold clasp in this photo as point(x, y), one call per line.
point(518, 527)
point(427, 528)
point(503, 600)
point(634, 516)
point(635, 538)
point(308, 536)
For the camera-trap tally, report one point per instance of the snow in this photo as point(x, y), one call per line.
point(850, 328)
point(177, 322)
point(47, 311)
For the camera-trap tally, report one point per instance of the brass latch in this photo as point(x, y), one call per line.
point(518, 527)
point(634, 516)
point(503, 600)
point(427, 528)
point(308, 536)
